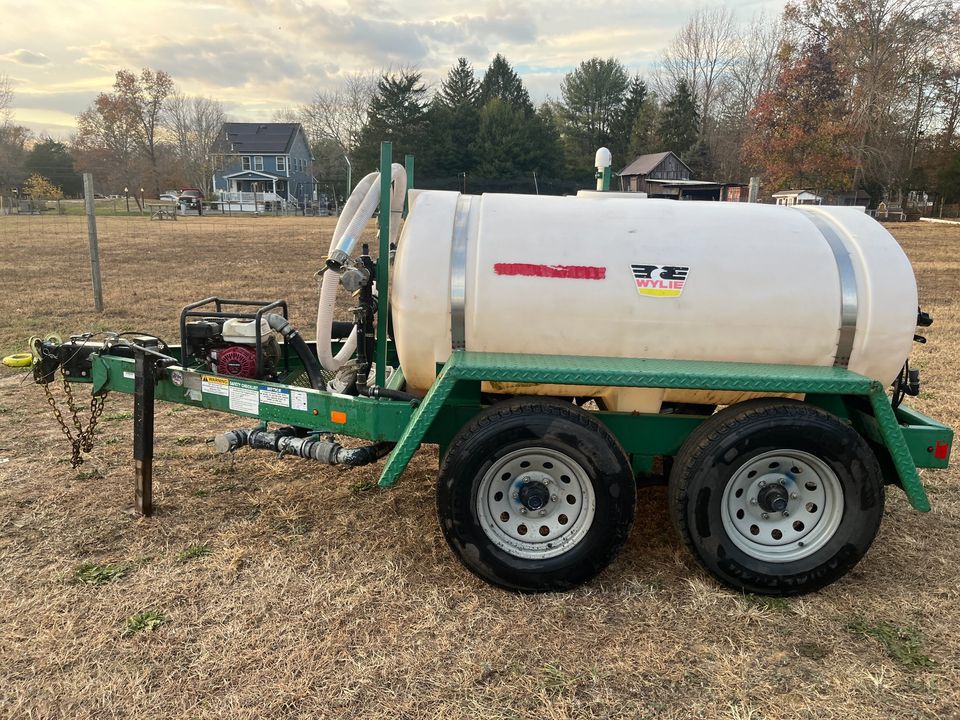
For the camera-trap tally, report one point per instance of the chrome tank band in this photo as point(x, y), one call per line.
point(849, 302)
point(458, 272)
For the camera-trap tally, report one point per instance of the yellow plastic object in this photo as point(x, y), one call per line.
point(18, 360)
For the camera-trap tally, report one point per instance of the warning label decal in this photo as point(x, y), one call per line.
point(274, 396)
point(298, 400)
point(213, 385)
point(245, 397)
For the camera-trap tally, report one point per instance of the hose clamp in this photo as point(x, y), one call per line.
point(338, 258)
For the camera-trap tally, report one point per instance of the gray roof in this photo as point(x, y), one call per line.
point(645, 164)
point(237, 137)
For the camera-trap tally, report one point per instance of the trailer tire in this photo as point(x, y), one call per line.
point(776, 497)
point(535, 495)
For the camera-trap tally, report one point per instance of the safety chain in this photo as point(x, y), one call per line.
point(83, 441)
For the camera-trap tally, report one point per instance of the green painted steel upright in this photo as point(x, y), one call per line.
point(408, 164)
point(607, 175)
point(383, 261)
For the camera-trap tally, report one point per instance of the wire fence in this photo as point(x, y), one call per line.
point(150, 268)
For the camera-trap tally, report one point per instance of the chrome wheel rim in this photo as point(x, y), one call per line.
point(782, 505)
point(535, 503)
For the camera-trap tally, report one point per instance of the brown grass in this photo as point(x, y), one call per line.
point(315, 598)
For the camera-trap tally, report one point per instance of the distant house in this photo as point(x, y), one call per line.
point(664, 175)
point(263, 165)
point(797, 197)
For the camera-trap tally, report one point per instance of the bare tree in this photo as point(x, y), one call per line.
point(340, 113)
point(754, 64)
point(875, 43)
point(701, 53)
point(13, 139)
point(6, 100)
point(194, 124)
point(144, 96)
point(105, 142)
point(948, 82)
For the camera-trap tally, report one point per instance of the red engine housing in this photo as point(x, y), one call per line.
point(236, 360)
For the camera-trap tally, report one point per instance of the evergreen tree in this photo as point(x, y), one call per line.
point(512, 144)
point(460, 88)
point(53, 160)
point(398, 113)
point(547, 157)
point(622, 129)
point(680, 120)
point(455, 121)
point(643, 134)
point(502, 140)
point(593, 101)
point(500, 81)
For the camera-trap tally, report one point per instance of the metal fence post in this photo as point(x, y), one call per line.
point(91, 210)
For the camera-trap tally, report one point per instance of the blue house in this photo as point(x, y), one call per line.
point(263, 165)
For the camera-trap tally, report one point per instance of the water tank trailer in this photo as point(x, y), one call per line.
point(561, 350)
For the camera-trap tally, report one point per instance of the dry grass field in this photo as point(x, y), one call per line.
point(268, 588)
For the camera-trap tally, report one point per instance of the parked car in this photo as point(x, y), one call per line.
point(191, 199)
point(170, 196)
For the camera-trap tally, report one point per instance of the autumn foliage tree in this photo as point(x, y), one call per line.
point(39, 189)
point(119, 135)
point(801, 134)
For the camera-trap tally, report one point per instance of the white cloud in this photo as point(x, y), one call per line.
point(260, 55)
point(25, 57)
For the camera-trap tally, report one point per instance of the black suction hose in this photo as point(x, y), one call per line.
point(296, 341)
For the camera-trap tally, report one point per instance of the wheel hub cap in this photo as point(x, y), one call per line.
point(782, 505)
point(534, 495)
point(535, 503)
point(773, 498)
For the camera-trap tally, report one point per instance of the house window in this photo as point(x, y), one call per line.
point(245, 162)
point(258, 162)
point(281, 163)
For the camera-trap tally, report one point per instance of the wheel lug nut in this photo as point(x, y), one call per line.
point(762, 483)
point(553, 498)
point(523, 511)
point(783, 481)
point(516, 496)
point(543, 512)
point(753, 501)
point(786, 514)
point(793, 496)
point(765, 516)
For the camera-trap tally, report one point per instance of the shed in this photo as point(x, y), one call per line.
point(664, 166)
point(797, 197)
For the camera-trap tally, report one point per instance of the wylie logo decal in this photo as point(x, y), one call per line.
point(660, 280)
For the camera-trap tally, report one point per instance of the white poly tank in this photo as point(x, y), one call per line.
point(648, 279)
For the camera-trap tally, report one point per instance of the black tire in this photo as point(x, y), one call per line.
point(532, 428)
point(720, 451)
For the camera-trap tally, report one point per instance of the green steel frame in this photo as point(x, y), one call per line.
point(903, 438)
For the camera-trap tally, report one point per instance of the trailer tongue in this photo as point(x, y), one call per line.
point(780, 491)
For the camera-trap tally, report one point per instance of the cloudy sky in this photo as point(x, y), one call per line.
point(260, 55)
